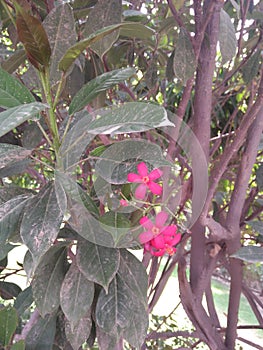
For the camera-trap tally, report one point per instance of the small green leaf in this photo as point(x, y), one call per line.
point(34, 38)
point(184, 62)
point(12, 92)
point(227, 37)
point(23, 300)
point(41, 221)
point(252, 254)
point(20, 345)
point(256, 225)
point(76, 296)
point(48, 277)
point(5, 249)
point(42, 334)
point(97, 85)
point(129, 117)
point(98, 264)
point(80, 333)
point(73, 52)
point(11, 153)
point(8, 324)
point(15, 116)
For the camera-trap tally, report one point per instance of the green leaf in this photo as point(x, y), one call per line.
point(15, 116)
point(73, 52)
point(15, 168)
point(34, 38)
point(60, 28)
point(256, 225)
point(184, 63)
point(103, 14)
point(129, 117)
point(8, 192)
point(136, 30)
point(227, 37)
point(252, 254)
point(9, 290)
point(41, 335)
point(20, 345)
point(76, 296)
point(14, 61)
point(41, 221)
point(5, 249)
point(11, 153)
point(134, 15)
point(80, 333)
point(23, 300)
point(97, 85)
point(48, 277)
point(10, 216)
point(98, 264)
point(259, 177)
point(8, 324)
point(12, 92)
point(106, 340)
point(122, 158)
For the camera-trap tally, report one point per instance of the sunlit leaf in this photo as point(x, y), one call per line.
point(252, 254)
point(136, 30)
point(12, 92)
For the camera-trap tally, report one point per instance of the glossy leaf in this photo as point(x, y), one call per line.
point(15, 116)
point(120, 159)
point(11, 153)
point(227, 37)
point(48, 277)
point(129, 117)
point(60, 28)
point(42, 334)
point(103, 14)
point(98, 264)
point(8, 324)
point(73, 52)
point(95, 86)
point(80, 333)
point(41, 221)
point(252, 254)
point(184, 63)
point(10, 216)
point(34, 38)
point(23, 300)
point(12, 92)
point(20, 345)
point(76, 296)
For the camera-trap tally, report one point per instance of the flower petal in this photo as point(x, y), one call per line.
point(155, 188)
point(158, 242)
point(142, 169)
point(155, 174)
point(140, 191)
point(146, 223)
point(169, 230)
point(131, 177)
point(145, 237)
point(161, 218)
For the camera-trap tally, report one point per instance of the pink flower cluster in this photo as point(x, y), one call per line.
point(158, 239)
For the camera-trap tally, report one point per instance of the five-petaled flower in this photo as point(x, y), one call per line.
point(159, 239)
point(146, 180)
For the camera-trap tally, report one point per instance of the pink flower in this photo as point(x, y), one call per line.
point(146, 180)
point(123, 203)
point(159, 239)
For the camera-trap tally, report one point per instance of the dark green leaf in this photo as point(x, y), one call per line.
point(121, 158)
point(12, 92)
point(15, 116)
point(134, 15)
point(34, 38)
point(136, 30)
point(9, 290)
point(73, 52)
point(250, 69)
point(130, 117)
point(60, 28)
point(76, 296)
point(256, 225)
point(259, 177)
point(23, 300)
point(106, 340)
point(20, 345)
point(41, 335)
point(32, 136)
point(80, 333)
point(227, 37)
point(14, 61)
point(10, 216)
point(48, 278)
point(103, 14)
point(97, 85)
point(11, 153)
point(98, 264)
point(15, 168)
point(252, 254)
point(184, 63)
point(3, 264)
point(41, 221)
point(8, 324)
point(5, 249)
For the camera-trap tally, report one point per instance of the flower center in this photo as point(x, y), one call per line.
point(155, 231)
point(145, 179)
point(169, 250)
